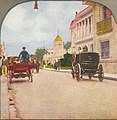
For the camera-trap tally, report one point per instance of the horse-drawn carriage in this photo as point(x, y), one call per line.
point(20, 70)
point(87, 63)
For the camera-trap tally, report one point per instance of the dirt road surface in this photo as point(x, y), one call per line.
point(55, 95)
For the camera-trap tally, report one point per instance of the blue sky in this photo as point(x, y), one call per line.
point(23, 26)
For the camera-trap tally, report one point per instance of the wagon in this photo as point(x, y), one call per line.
point(87, 63)
point(20, 70)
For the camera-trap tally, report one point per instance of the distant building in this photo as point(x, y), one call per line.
point(57, 52)
point(95, 29)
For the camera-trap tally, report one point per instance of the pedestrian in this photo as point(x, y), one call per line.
point(55, 64)
point(4, 66)
point(37, 65)
point(24, 55)
point(0, 65)
point(59, 64)
point(73, 59)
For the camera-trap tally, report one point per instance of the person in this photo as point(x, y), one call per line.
point(55, 65)
point(24, 55)
point(0, 65)
point(59, 64)
point(73, 59)
point(4, 66)
point(33, 62)
point(37, 65)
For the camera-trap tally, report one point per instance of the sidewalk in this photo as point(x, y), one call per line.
point(4, 104)
point(106, 75)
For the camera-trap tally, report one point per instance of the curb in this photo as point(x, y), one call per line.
point(105, 77)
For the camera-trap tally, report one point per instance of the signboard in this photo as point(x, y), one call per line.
point(104, 26)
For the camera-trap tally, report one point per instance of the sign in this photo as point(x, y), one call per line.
point(104, 26)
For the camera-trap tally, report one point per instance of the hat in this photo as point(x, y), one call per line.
point(23, 47)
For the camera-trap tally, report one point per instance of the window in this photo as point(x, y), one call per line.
point(83, 28)
point(90, 24)
point(86, 22)
point(91, 48)
point(105, 50)
point(106, 12)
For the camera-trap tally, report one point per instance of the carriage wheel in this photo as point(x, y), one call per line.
point(10, 76)
point(77, 71)
point(100, 73)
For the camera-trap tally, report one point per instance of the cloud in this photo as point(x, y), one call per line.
point(25, 27)
point(15, 18)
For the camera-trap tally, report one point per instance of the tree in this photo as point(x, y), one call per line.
point(67, 45)
point(40, 52)
point(66, 61)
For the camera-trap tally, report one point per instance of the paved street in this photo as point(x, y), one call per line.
point(57, 95)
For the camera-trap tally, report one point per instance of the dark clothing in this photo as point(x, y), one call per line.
point(5, 62)
point(24, 56)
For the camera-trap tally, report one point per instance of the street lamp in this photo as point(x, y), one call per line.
point(36, 5)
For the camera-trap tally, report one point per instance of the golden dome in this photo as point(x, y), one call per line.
point(58, 38)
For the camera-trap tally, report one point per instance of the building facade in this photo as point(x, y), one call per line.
point(105, 37)
point(95, 29)
point(57, 52)
point(82, 30)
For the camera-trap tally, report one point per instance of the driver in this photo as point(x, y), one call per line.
point(24, 55)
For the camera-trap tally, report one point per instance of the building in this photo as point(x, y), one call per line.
point(57, 52)
point(82, 30)
point(95, 29)
point(105, 37)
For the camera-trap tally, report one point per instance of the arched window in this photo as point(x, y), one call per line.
point(85, 49)
point(91, 48)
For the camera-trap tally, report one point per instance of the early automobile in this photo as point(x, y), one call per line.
point(20, 70)
point(87, 63)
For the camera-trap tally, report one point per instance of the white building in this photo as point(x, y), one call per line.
point(95, 29)
point(82, 30)
point(57, 52)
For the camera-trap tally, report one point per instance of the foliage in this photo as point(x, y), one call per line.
point(66, 61)
point(40, 52)
point(67, 45)
point(49, 66)
point(66, 68)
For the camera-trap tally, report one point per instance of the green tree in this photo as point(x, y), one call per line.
point(67, 45)
point(40, 52)
point(66, 61)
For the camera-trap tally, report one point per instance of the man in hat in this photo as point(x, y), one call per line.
point(24, 55)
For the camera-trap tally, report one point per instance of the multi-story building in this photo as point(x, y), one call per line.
point(57, 52)
point(105, 37)
point(95, 29)
point(82, 30)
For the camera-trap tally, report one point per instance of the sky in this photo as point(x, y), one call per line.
point(23, 26)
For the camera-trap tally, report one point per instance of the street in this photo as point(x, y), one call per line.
point(55, 95)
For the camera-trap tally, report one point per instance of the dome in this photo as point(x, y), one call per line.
point(58, 38)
